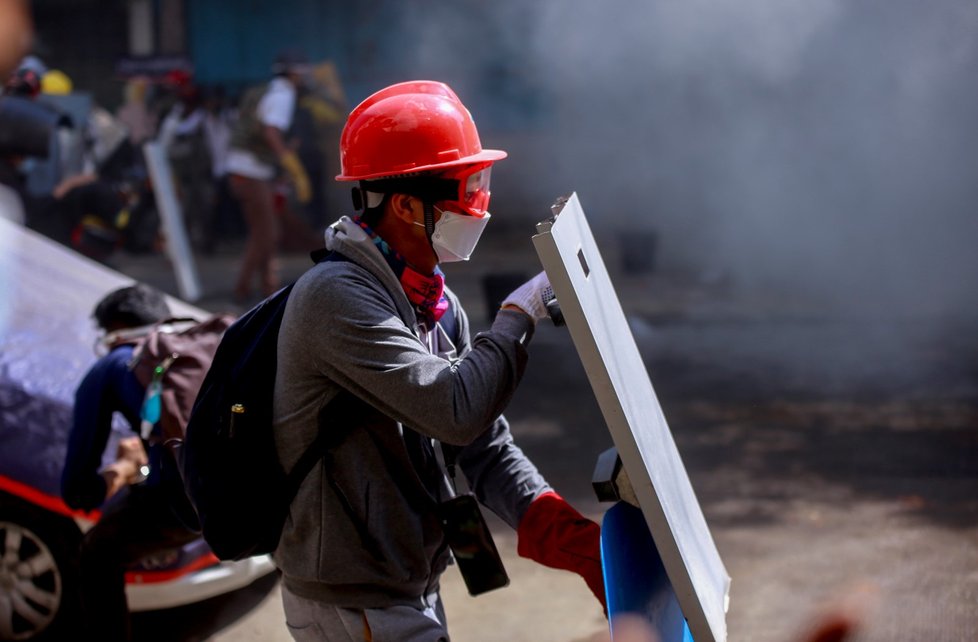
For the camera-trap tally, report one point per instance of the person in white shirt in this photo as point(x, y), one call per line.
point(258, 150)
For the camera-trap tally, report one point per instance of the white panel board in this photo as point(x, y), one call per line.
point(628, 402)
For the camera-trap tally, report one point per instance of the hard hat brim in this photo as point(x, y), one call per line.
point(486, 155)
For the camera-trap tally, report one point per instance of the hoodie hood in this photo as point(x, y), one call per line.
point(349, 239)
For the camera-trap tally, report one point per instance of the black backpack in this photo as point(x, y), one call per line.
point(228, 459)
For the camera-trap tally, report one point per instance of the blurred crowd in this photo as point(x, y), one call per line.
point(75, 170)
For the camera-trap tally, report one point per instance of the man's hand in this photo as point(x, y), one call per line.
point(127, 468)
point(554, 534)
point(297, 174)
point(531, 297)
point(70, 183)
point(131, 449)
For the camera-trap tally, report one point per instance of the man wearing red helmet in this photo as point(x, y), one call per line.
point(375, 359)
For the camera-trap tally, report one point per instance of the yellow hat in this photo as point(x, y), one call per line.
point(55, 81)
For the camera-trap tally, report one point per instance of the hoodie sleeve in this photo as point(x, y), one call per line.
point(347, 322)
point(108, 387)
point(499, 473)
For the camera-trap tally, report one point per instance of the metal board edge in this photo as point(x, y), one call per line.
point(570, 257)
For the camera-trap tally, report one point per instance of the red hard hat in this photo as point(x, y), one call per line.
point(410, 127)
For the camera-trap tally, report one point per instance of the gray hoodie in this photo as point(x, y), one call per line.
point(363, 530)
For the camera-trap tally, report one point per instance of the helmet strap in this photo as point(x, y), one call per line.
point(424, 187)
point(429, 218)
point(428, 189)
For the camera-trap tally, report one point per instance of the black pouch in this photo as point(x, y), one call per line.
point(471, 542)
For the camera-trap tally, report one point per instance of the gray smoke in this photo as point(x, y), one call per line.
point(825, 147)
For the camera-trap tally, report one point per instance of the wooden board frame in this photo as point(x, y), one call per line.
point(624, 393)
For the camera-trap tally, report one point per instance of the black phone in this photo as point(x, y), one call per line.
point(471, 542)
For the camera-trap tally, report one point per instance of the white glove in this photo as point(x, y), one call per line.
point(532, 297)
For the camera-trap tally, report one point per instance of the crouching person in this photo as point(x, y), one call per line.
point(136, 518)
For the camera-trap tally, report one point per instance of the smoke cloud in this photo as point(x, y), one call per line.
point(828, 148)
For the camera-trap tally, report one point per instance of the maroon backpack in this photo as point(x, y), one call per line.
point(171, 362)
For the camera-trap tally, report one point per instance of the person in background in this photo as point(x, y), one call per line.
point(219, 119)
point(134, 113)
point(32, 141)
point(136, 516)
point(34, 81)
point(25, 82)
point(259, 150)
point(183, 136)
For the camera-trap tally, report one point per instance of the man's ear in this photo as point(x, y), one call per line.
point(405, 207)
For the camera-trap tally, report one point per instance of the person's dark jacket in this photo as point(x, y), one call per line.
point(108, 387)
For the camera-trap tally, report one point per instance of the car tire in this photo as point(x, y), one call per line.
point(38, 572)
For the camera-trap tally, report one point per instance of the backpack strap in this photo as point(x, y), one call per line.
point(324, 442)
point(448, 453)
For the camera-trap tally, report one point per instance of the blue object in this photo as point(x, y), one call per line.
point(634, 577)
point(152, 409)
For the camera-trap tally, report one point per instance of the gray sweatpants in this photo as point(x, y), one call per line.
point(312, 621)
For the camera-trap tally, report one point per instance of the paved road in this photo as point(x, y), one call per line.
point(835, 459)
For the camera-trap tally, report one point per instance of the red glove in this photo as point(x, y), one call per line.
point(554, 534)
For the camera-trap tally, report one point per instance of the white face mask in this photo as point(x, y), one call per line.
point(455, 235)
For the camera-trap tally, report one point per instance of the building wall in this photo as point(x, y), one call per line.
point(84, 38)
point(474, 46)
point(234, 43)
